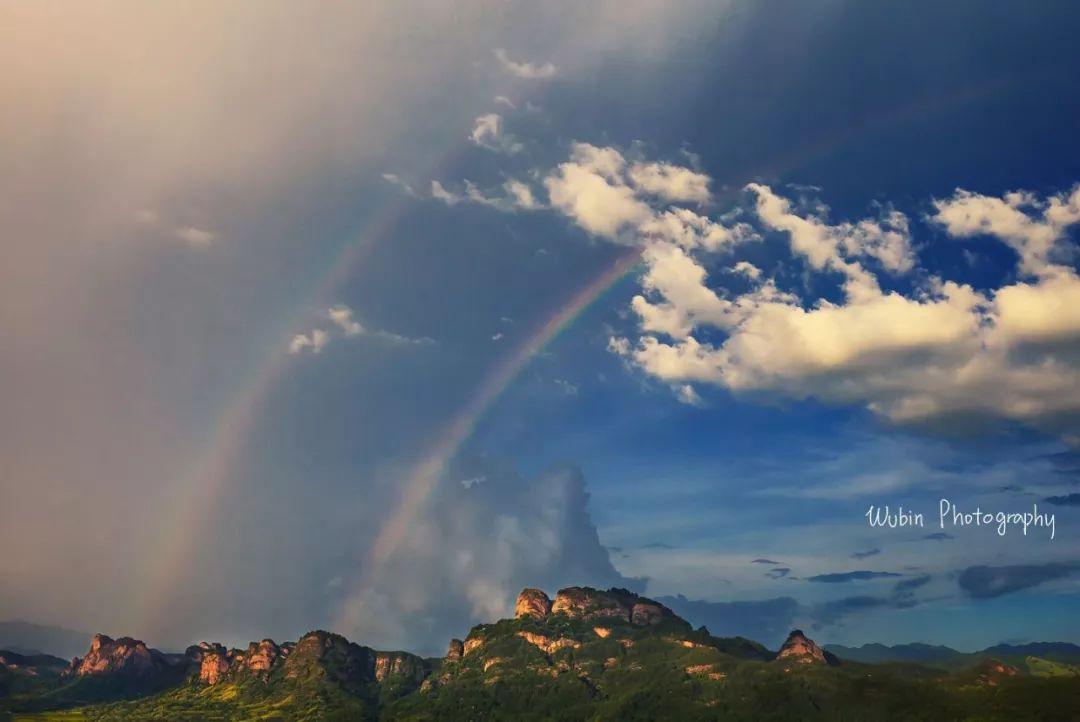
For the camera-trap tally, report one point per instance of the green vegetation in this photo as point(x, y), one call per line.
point(563, 667)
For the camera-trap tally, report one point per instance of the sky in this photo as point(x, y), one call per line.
point(365, 317)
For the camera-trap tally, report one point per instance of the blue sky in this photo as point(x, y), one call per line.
point(254, 283)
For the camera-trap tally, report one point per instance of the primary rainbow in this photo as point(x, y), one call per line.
point(425, 475)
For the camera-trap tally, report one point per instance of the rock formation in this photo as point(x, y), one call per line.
point(588, 603)
point(455, 651)
point(532, 603)
point(548, 644)
point(800, 649)
point(127, 657)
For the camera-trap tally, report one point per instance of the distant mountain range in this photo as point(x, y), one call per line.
point(28, 638)
point(948, 658)
point(587, 654)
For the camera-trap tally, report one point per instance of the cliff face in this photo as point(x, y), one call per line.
point(125, 657)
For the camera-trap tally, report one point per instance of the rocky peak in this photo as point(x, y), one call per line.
point(800, 649)
point(532, 603)
point(213, 659)
point(260, 656)
point(589, 603)
point(126, 656)
point(455, 651)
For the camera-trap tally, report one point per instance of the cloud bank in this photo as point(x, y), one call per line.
point(939, 351)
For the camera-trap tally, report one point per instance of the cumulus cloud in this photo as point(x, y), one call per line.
point(488, 133)
point(526, 70)
point(670, 182)
point(1031, 226)
point(473, 549)
point(629, 202)
point(942, 351)
point(984, 582)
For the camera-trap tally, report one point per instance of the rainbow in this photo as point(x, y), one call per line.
point(196, 504)
point(425, 475)
point(173, 556)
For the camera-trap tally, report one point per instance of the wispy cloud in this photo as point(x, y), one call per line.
point(195, 236)
point(857, 576)
point(488, 132)
point(526, 70)
point(344, 325)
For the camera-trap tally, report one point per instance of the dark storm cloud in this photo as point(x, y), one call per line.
point(857, 576)
point(764, 561)
point(1065, 500)
point(907, 585)
point(778, 572)
point(865, 554)
point(986, 582)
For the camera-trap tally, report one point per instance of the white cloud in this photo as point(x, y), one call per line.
point(345, 325)
point(611, 197)
point(670, 182)
point(1010, 218)
point(503, 100)
point(397, 180)
point(195, 236)
point(467, 556)
point(943, 351)
point(747, 269)
point(686, 394)
point(836, 247)
point(522, 195)
point(314, 341)
point(343, 317)
point(488, 133)
point(438, 192)
point(516, 196)
point(526, 70)
point(589, 189)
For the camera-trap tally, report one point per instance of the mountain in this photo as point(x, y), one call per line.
point(26, 674)
point(27, 638)
point(587, 654)
point(948, 658)
point(879, 653)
